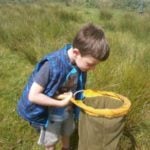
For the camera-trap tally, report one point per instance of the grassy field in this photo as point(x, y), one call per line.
point(29, 31)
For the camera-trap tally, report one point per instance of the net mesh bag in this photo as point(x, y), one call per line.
point(102, 119)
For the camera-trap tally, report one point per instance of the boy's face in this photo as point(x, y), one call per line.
point(86, 63)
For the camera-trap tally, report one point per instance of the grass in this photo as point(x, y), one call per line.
point(29, 31)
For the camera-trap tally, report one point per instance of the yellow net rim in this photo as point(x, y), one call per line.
point(108, 113)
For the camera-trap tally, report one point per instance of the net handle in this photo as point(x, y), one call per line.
point(75, 93)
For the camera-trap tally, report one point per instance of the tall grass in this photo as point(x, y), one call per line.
point(29, 31)
point(127, 71)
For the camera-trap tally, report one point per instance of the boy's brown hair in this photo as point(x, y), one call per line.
point(90, 40)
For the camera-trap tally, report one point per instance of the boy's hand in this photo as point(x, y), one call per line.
point(63, 96)
point(66, 97)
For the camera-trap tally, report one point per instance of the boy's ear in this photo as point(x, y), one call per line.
point(76, 52)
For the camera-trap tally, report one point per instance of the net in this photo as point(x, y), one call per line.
point(102, 120)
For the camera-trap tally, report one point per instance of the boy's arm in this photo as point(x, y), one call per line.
point(37, 96)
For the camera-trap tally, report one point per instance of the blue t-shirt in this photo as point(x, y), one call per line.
point(60, 74)
point(70, 84)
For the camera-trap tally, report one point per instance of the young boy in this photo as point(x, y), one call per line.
point(63, 71)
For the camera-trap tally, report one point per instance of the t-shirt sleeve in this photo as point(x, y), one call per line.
point(42, 76)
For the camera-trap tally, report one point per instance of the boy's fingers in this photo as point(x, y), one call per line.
point(64, 95)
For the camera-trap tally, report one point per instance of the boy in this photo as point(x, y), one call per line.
point(58, 73)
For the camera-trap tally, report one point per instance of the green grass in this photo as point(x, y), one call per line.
point(29, 31)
